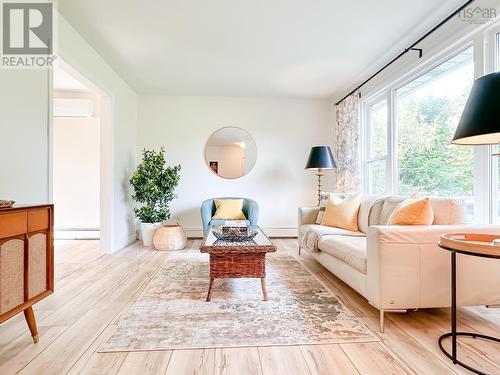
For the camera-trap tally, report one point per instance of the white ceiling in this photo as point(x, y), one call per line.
point(263, 48)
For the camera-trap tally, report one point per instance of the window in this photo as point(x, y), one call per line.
point(427, 112)
point(376, 161)
point(413, 152)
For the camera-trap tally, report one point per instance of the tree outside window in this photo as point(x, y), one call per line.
point(428, 110)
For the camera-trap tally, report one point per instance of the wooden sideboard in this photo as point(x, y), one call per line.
point(26, 260)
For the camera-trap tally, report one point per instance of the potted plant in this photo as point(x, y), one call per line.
point(154, 186)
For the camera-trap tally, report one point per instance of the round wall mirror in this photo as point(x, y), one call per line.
point(230, 152)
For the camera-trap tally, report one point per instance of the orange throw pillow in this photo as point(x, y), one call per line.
point(412, 212)
point(342, 213)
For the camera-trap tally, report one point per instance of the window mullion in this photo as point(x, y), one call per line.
point(392, 177)
point(492, 202)
point(375, 122)
point(366, 148)
point(491, 56)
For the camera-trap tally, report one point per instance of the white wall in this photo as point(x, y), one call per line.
point(76, 167)
point(284, 131)
point(24, 109)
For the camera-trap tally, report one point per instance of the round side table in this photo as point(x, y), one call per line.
point(473, 244)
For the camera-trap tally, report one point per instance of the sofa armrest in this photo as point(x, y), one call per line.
point(407, 269)
point(253, 211)
point(206, 213)
point(307, 215)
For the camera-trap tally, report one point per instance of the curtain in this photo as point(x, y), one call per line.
point(346, 146)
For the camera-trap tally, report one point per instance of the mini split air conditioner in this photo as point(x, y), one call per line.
point(68, 107)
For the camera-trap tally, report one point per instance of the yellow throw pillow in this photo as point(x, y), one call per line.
point(229, 209)
point(342, 213)
point(412, 212)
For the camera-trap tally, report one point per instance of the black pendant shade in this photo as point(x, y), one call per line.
point(480, 121)
point(320, 157)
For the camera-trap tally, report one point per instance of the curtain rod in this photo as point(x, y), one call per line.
point(406, 50)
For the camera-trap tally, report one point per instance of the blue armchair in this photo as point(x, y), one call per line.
point(250, 209)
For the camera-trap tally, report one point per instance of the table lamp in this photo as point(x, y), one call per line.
point(480, 121)
point(320, 158)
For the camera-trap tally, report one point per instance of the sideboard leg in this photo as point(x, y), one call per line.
point(30, 319)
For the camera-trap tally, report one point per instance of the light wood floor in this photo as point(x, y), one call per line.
point(93, 291)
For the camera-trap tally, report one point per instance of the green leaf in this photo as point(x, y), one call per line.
point(154, 184)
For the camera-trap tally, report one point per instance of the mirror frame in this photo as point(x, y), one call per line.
point(207, 162)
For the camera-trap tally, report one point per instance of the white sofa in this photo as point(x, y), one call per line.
point(397, 268)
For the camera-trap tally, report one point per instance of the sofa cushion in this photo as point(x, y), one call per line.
point(324, 198)
point(412, 212)
point(390, 204)
point(311, 234)
point(229, 209)
point(365, 208)
point(376, 211)
point(448, 211)
point(349, 249)
point(342, 213)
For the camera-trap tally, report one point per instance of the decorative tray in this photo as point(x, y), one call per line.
point(235, 238)
point(6, 203)
point(475, 243)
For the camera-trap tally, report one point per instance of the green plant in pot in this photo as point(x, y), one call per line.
point(154, 186)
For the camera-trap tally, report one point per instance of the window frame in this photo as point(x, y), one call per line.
point(367, 159)
point(389, 93)
point(430, 67)
point(492, 64)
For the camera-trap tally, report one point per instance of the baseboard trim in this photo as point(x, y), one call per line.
point(76, 234)
point(281, 232)
point(125, 242)
point(287, 232)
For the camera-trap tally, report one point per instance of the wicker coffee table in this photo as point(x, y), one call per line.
point(240, 259)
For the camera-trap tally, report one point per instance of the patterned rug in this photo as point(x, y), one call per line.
point(172, 312)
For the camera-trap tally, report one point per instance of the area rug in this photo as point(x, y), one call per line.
point(172, 313)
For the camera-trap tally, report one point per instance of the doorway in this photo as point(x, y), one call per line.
point(80, 154)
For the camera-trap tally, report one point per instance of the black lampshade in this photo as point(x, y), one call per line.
point(480, 121)
point(320, 157)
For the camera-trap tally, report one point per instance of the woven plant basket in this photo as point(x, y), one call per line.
point(169, 237)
